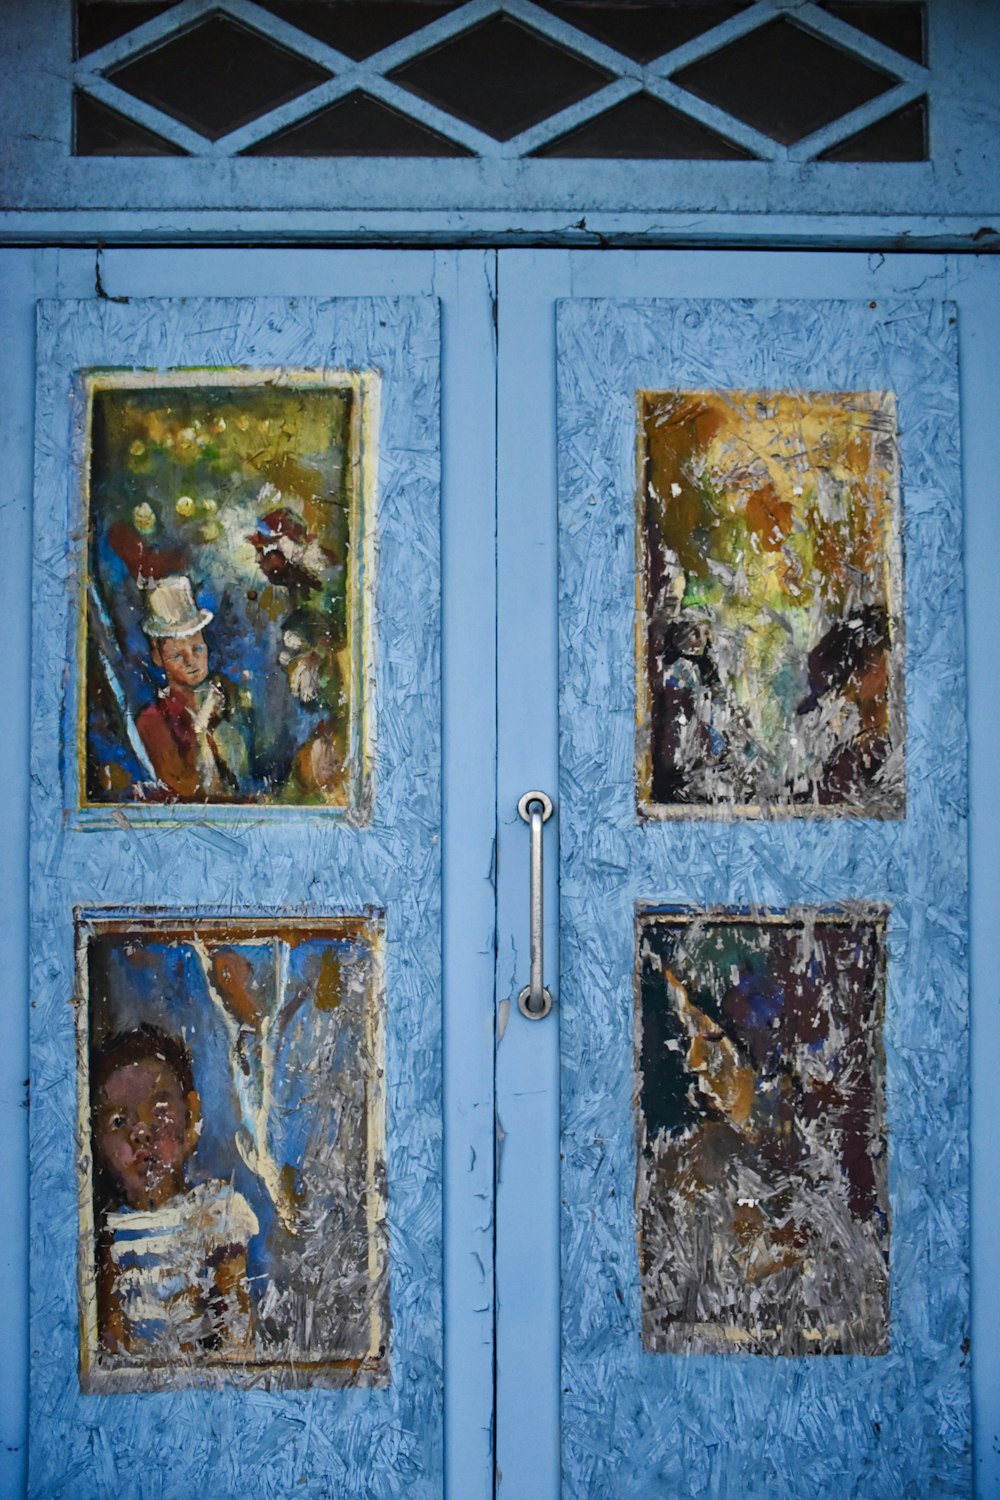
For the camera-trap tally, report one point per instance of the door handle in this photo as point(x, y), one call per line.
point(534, 1001)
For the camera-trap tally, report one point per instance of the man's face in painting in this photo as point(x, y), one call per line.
point(723, 1079)
point(184, 659)
point(145, 1128)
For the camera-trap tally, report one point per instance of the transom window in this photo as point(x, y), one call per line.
point(843, 81)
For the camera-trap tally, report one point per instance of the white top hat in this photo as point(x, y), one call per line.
point(171, 611)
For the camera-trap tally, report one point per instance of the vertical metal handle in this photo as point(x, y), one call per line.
point(534, 1001)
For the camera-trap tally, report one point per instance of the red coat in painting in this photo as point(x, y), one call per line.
point(188, 746)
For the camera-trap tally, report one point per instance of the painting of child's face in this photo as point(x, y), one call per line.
point(184, 659)
point(145, 1128)
point(232, 1171)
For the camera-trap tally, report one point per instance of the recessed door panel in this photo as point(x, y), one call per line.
point(237, 1169)
point(763, 895)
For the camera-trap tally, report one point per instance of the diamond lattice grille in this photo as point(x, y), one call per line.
point(783, 81)
point(218, 76)
point(709, 80)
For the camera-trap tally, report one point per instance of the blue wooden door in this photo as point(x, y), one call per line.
point(634, 1421)
point(698, 1334)
point(241, 454)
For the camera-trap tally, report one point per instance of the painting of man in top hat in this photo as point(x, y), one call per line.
point(189, 730)
point(226, 613)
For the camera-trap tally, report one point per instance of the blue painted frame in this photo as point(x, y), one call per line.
point(737, 1421)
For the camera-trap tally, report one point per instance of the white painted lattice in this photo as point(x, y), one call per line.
point(896, 85)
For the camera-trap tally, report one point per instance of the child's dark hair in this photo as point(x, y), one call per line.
point(139, 1045)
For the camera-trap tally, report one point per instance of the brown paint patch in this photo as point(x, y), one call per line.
point(768, 517)
point(329, 982)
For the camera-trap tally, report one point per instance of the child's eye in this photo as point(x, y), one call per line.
point(116, 1121)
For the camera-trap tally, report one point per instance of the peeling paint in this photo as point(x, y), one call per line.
point(289, 1120)
point(770, 677)
point(761, 1186)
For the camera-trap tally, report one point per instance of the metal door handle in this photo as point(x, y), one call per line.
point(534, 1001)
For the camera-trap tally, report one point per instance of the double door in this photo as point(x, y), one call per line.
point(699, 580)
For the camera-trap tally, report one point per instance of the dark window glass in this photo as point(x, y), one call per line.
point(643, 127)
point(101, 21)
point(101, 131)
point(901, 136)
point(899, 26)
point(357, 125)
point(358, 27)
point(217, 76)
point(500, 77)
point(643, 31)
point(784, 81)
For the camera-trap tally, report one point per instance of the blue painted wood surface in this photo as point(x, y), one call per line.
point(635, 1424)
point(972, 282)
point(309, 862)
point(527, 1340)
point(534, 281)
point(228, 1441)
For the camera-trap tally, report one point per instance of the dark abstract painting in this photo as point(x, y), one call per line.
point(761, 1190)
point(770, 579)
point(226, 615)
point(232, 1177)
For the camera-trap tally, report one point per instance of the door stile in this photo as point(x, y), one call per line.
point(466, 284)
point(527, 1067)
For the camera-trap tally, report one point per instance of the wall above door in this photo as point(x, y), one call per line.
point(566, 121)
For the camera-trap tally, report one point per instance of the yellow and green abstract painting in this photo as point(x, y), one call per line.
point(769, 610)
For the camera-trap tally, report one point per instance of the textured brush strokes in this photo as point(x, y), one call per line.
point(251, 486)
point(770, 677)
point(284, 1027)
point(637, 1425)
point(761, 1190)
point(256, 863)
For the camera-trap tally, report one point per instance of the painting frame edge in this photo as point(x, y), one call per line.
point(362, 588)
point(649, 811)
point(375, 1371)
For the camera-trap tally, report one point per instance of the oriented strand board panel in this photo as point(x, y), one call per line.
point(763, 994)
point(235, 883)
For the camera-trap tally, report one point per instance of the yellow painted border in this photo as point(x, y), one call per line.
point(364, 387)
point(649, 811)
point(371, 1370)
